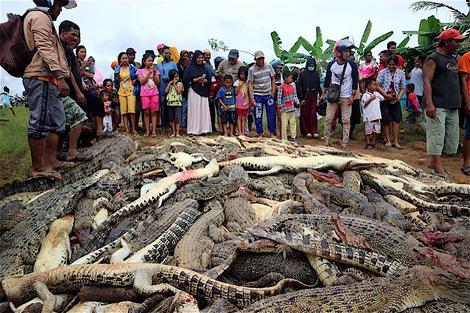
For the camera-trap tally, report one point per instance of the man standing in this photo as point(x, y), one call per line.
point(164, 68)
point(74, 115)
point(230, 66)
point(44, 78)
point(392, 46)
point(348, 82)
point(442, 97)
point(262, 88)
point(464, 71)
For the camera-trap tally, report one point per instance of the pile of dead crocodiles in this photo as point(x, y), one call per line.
point(227, 224)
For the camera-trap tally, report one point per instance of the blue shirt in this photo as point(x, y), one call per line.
point(228, 97)
point(5, 98)
point(164, 69)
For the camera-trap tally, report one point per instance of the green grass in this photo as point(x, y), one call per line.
point(15, 158)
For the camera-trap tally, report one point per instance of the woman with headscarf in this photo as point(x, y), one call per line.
point(198, 85)
point(309, 90)
point(181, 66)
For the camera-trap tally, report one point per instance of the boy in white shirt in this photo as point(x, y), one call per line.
point(370, 103)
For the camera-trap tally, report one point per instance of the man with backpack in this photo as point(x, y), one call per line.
point(44, 79)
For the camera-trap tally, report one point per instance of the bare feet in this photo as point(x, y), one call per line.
point(72, 155)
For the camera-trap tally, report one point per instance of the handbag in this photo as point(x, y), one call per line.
point(334, 91)
point(321, 108)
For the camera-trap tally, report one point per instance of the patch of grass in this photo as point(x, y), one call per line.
point(15, 159)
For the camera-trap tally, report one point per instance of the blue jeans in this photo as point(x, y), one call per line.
point(184, 113)
point(268, 102)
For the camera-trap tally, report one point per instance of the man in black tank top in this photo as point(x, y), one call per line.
point(442, 99)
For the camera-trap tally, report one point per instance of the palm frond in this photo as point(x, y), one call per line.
point(430, 5)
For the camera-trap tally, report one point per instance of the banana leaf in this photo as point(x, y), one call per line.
point(404, 42)
point(330, 42)
point(318, 45)
point(277, 42)
point(295, 47)
point(306, 44)
point(378, 40)
point(365, 36)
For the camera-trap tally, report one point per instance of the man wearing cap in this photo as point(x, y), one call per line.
point(160, 48)
point(261, 84)
point(230, 66)
point(164, 68)
point(442, 99)
point(44, 79)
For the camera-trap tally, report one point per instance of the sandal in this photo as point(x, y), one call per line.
point(398, 146)
point(466, 170)
point(369, 146)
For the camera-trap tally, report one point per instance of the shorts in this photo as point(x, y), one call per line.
point(150, 102)
point(467, 127)
point(74, 114)
point(94, 104)
point(372, 127)
point(242, 112)
point(390, 112)
point(174, 114)
point(229, 117)
point(443, 132)
point(127, 104)
point(47, 111)
point(115, 106)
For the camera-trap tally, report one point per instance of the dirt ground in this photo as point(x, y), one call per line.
point(414, 154)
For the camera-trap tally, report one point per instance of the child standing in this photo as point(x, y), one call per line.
point(108, 112)
point(287, 100)
point(174, 101)
point(412, 105)
point(226, 99)
point(149, 79)
point(6, 100)
point(370, 103)
point(242, 106)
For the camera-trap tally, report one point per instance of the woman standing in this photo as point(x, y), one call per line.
point(195, 79)
point(309, 91)
point(149, 79)
point(126, 74)
point(367, 68)
point(181, 66)
point(392, 81)
point(94, 104)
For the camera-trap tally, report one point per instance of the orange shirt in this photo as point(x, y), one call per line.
point(464, 67)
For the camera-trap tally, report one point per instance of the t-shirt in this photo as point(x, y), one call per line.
point(412, 102)
point(150, 88)
point(242, 100)
point(173, 99)
point(445, 83)
point(372, 111)
point(336, 72)
point(126, 88)
point(367, 70)
point(464, 67)
point(74, 69)
point(164, 69)
point(227, 96)
point(226, 68)
point(261, 78)
point(287, 97)
point(416, 78)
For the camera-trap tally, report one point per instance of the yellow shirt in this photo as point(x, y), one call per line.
point(125, 88)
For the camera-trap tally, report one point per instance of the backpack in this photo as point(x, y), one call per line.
point(15, 55)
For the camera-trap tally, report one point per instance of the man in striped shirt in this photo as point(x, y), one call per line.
point(261, 84)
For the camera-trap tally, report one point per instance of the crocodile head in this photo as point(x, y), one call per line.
point(446, 285)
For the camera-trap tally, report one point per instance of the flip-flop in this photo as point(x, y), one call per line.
point(466, 170)
point(51, 174)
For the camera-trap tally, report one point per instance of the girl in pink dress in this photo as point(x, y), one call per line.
point(149, 79)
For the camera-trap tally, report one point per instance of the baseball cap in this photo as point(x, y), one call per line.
point(450, 33)
point(130, 50)
point(161, 46)
point(259, 54)
point(233, 54)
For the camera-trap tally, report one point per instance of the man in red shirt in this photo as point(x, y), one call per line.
point(464, 73)
point(392, 46)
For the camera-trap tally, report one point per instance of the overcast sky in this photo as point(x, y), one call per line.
point(109, 27)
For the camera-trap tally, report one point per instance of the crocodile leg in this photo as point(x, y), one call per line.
point(49, 300)
point(120, 254)
point(143, 284)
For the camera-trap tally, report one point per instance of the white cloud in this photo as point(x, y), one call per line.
point(110, 26)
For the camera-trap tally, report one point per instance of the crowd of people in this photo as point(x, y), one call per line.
point(187, 91)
